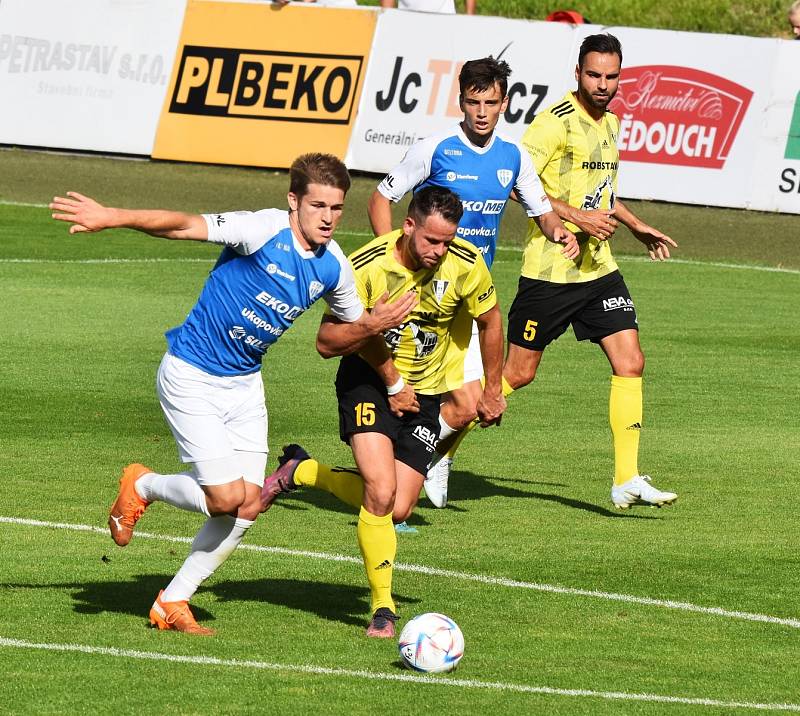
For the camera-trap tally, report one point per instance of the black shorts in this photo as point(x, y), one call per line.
point(542, 310)
point(364, 408)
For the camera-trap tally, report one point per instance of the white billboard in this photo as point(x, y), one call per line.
point(411, 87)
point(777, 168)
point(88, 75)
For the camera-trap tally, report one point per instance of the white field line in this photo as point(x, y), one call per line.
point(391, 676)
point(624, 259)
point(451, 574)
point(685, 262)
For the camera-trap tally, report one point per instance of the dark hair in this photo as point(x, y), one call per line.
point(605, 43)
point(482, 74)
point(317, 168)
point(435, 200)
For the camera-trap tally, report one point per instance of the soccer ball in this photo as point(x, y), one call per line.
point(432, 643)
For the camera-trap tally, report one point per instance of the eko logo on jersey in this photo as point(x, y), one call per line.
point(290, 313)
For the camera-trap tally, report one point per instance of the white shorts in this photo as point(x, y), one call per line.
point(473, 364)
point(212, 417)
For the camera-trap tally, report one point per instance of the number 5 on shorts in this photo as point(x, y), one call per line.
point(365, 414)
point(530, 330)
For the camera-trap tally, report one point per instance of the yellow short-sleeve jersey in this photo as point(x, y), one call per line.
point(577, 159)
point(458, 289)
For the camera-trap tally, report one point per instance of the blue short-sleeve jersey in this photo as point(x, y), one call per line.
point(483, 178)
point(250, 299)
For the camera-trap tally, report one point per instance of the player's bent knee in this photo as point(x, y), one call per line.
point(225, 499)
point(519, 377)
point(379, 502)
point(401, 513)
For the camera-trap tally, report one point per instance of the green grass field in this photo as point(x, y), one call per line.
point(567, 607)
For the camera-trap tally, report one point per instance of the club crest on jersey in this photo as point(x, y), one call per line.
point(315, 288)
point(439, 288)
point(504, 176)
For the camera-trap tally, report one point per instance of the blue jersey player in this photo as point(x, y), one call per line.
point(273, 266)
point(483, 168)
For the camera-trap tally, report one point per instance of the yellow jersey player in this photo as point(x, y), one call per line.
point(392, 441)
point(573, 146)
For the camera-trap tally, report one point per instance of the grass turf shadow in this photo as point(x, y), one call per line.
point(343, 603)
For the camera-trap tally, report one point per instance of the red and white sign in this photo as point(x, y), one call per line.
point(678, 115)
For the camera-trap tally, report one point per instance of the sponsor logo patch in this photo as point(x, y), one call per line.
point(255, 84)
point(273, 269)
point(614, 304)
point(426, 436)
point(678, 115)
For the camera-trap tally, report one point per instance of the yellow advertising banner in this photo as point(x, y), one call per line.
point(258, 84)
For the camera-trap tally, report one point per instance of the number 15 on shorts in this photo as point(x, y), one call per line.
point(365, 414)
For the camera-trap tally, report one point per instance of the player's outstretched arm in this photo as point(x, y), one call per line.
point(337, 338)
point(87, 215)
point(657, 243)
point(379, 210)
point(491, 404)
point(599, 223)
point(555, 231)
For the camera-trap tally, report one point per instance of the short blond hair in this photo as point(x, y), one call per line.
point(794, 7)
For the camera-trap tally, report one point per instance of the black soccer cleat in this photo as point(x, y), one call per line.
point(282, 480)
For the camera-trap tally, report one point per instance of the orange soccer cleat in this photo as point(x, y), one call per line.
point(177, 616)
point(128, 507)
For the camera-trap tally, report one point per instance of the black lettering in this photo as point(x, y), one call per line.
point(539, 92)
point(407, 106)
point(248, 90)
point(511, 115)
point(275, 85)
point(305, 87)
point(382, 101)
point(334, 105)
point(788, 175)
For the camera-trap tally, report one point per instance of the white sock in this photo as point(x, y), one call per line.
point(215, 541)
point(445, 431)
point(181, 490)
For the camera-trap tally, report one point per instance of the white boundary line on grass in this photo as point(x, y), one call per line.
point(686, 262)
point(389, 676)
point(624, 259)
point(451, 574)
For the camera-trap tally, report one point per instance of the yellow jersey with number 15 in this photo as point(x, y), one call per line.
point(577, 159)
point(429, 347)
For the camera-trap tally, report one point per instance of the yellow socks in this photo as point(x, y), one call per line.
point(378, 542)
point(625, 416)
point(347, 485)
point(467, 429)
